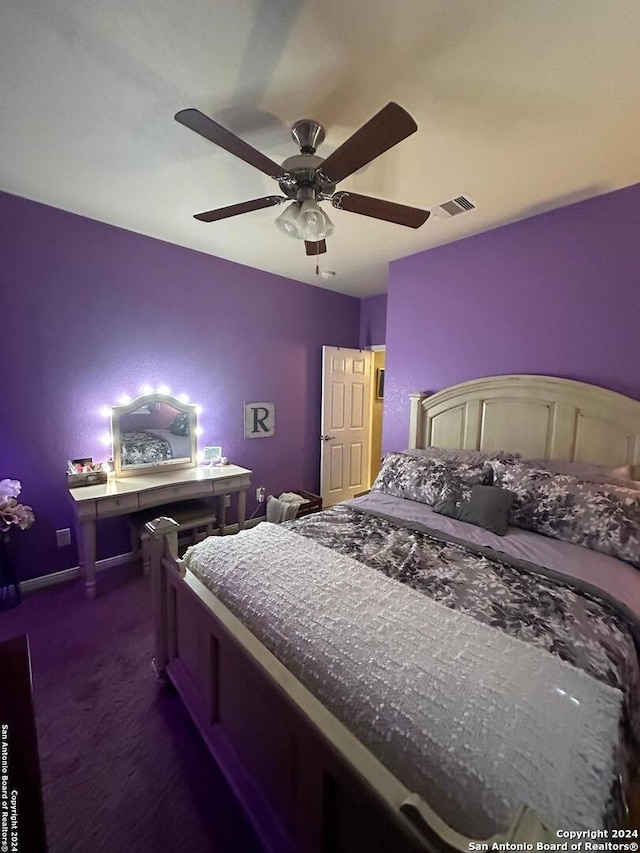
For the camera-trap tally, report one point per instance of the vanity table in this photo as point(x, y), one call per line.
point(133, 493)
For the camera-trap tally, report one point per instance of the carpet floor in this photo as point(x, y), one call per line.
point(123, 767)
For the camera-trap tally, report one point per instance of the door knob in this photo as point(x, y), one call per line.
point(327, 437)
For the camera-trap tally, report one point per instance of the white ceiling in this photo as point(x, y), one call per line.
point(524, 105)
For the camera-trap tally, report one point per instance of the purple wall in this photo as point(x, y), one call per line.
point(557, 294)
point(373, 321)
point(89, 312)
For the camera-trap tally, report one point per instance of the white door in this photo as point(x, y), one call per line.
point(344, 457)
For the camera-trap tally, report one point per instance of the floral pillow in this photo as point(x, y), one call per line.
point(426, 480)
point(471, 457)
point(621, 476)
point(180, 424)
point(598, 516)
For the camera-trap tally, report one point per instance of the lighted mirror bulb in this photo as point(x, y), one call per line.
point(197, 410)
point(123, 399)
point(163, 389)
point(105, 411)
point(146, 389)
point(105, 438)
point(184, 398)
point(199, 430)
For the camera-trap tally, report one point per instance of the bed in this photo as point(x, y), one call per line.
point(153, 446)
point(383, 676)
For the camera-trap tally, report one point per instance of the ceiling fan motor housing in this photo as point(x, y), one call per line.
point(303, 176)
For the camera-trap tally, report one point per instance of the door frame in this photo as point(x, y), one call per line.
point(370, 420)
point(372, 398)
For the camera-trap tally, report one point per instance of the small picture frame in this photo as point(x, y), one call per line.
point(380, 383)
point(81, 463)
point(213, 455)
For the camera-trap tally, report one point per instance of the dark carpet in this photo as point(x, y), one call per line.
point(123, 767)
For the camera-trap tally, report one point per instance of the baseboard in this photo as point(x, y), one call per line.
point(71, 574)
point(65, 575)
point(251, 522)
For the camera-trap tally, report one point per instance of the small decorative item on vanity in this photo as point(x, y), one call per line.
point(12, 516)
point(213, 455)
point(85, 472)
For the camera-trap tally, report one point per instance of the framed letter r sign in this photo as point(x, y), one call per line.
point(259, 420)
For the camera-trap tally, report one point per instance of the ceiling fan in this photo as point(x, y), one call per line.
point(306, 179)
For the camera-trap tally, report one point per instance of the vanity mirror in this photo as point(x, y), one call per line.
point(153, 433)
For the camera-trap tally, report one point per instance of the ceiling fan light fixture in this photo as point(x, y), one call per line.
point(305, 221)
point(289, 221)
point(315, 223)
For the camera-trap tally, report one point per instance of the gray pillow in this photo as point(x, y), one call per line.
point(470, 457)
point(484, 506)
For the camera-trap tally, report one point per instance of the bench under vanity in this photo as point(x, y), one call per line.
point(155, 459)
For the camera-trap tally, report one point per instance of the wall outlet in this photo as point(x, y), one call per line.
point(260, 494)
point(63, 537)
point(227, 501)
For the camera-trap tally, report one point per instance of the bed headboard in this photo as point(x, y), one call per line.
point(541, 417)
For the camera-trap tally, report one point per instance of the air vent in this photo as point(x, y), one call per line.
point(457, 205)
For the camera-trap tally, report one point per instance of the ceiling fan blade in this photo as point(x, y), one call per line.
point(401, 214)
point(219, 135)
point(388, 127)
point(318, 248)
point(236, 209)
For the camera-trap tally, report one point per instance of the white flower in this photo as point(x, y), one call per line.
point(10, 488)
point(13, 514)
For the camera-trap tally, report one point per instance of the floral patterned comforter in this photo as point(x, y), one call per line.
point(142, 448)
point(577, 626)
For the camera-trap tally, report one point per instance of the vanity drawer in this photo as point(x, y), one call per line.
point(168, 494)
point(117, 505)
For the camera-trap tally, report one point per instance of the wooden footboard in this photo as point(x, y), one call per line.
point(306, 783)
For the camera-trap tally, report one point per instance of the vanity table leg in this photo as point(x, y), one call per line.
point(86, 533)
point(242, 508)
point(222, 513)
